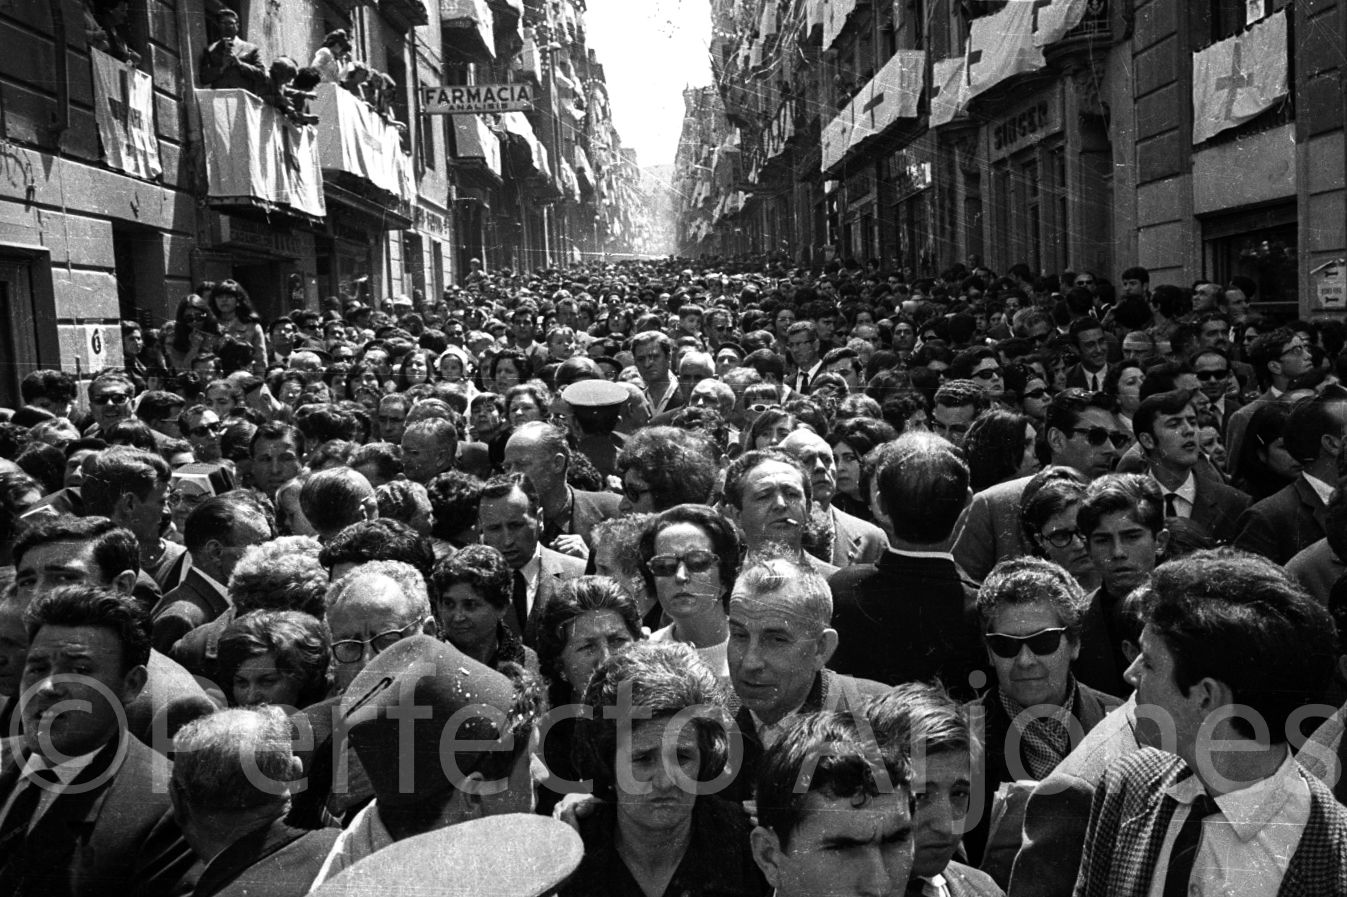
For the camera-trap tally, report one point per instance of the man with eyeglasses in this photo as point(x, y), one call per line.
point(1166, 428)
point(802, 342)
point(1082, 431)
point(370, 609)
point(110, 396)
point(1277, 358)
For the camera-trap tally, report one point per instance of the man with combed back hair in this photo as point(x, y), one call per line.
point(230, 790)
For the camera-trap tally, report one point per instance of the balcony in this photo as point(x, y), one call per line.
point(885, 100)
point(467, 28)
point(508, 28)
point(362, 150)
point(1094, 32)
point(404, 15)
point(258, 159)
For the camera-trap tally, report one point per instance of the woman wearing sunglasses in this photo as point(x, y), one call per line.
point(689, 558)
point(1032, 615)
point(1029, 389)
point(1048, 517)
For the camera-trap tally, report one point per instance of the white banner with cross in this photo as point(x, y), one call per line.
point(124, 111)
point(1240, 77)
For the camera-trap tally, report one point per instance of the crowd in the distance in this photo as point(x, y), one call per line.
point(688, 579)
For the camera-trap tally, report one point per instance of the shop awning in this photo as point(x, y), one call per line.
point(256, 156)
point(468, 27)
point(517, 124)
point(474, 142)
point(352, 138)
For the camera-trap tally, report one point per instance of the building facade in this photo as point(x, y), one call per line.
point(1200, 140)
point(130, 181)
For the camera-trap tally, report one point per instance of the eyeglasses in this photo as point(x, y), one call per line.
point(1036, 394)
point(1062, 537)
point(698, 560)
point(110, 398)
point(634, 492)
point(987, 374)
point(1085, 283)
point(353, 649)
point(1213, 375)
point(203, 430)
point(762, 409)
point(187, 498)
point(1040, 643)
point(1099, 435)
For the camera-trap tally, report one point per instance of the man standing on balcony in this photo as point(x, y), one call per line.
point(231, 62)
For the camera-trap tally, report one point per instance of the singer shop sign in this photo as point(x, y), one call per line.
point(469, 99)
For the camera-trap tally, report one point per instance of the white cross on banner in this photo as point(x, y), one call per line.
point(1238, 78)
point(1054, 18)
point(124, 112)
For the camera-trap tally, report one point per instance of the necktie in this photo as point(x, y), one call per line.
point(14, 827)
point(520, 600)
point(1184, 852)
point(1171, 508)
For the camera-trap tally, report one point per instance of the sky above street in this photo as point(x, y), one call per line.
point(650, 50)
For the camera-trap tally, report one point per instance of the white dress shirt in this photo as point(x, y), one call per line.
point(1247, 847)
point(1321, 489)
point(532, 570)
point(1185, 497)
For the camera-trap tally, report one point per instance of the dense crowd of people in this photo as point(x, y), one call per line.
point(686, 579)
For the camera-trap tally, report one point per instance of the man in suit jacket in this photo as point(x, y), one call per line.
point(217, 532)
point(781, 639)
point(854, 541)
point(802, 342)
point(509, 519)
point(909, 616)
point(990, 530)
point(1292, 519)
point(231, 62)
point(234, 824)
point(921, 722)
point(1165, 425)
point(1140, 835)
point(83, 801)
point(540, 451)
point(1088, 335)
point(1277, 358)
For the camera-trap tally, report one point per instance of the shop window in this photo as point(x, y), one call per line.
point(138, 256)
point(1261, 244)
point(28, 338)
point(972, 214)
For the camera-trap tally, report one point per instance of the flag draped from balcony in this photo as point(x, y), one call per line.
point(1001, 46)
point(835, 18)
point(1054, 18)
point(124, 113)
point(255, 155)
point(949, 90)
point(1240, 77)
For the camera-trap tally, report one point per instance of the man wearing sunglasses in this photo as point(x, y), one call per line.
point(1082, 431)
point(202, 428)
point(110, 397)
point(1032, 623)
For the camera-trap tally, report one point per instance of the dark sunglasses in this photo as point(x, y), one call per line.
point(1097, 436)
point(760, 408)
point(204, 430)
point(634, 493)
point(698, 560)
point(110, 398)
point(1212, 375)
point(1040, 643)
point(987, 374)
point(1036, 394)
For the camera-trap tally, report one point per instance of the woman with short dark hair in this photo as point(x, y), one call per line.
point(274, 657)
point(473, 589)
